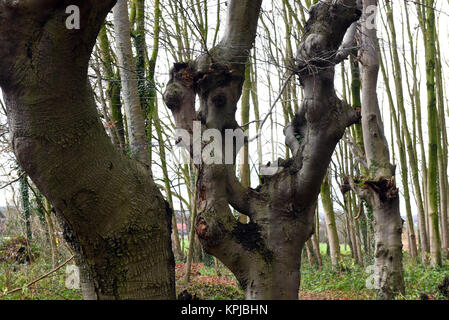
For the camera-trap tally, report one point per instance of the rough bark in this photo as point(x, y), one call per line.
point(112, 213)
point(264, 254)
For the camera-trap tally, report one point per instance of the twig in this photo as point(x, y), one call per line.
point(272, 107)
point(13, 181)
point(40, 278)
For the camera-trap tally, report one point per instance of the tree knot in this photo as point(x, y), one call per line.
point(385, 188)
point(201, 228)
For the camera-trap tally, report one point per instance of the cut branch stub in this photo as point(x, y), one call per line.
point(179, 95)
point(385, 188)
point(201, 228)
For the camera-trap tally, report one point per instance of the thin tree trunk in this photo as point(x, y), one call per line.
point(432, 123)
point(245, 176)
point(331, 226)
point(405, 132)
point(442, 156)
point(134, 113)
point(193, 214)
point(25, 202)
point(113, 89)
point(51, 232)
point(380, 192)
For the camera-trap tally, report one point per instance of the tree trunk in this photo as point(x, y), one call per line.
point(432, 122)
point(135, 118)
point(26, 209)
point(111, 211)
point(263, 254)
point(51, 233)
point(245, 175)
point(331, 226)
point(113, 89)
point(380, 191)
point(405, 132)
point(193, 214)
point(442, 156)
point(176, 244)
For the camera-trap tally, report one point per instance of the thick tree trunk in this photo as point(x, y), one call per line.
point(264, 254)
point(388, 250)
point(112, 213)
point(278, 281)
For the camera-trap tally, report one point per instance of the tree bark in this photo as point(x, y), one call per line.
point(111, 211)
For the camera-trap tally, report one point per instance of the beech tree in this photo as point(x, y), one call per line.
point(264, 254)
point(379, 188)
point(113, 215)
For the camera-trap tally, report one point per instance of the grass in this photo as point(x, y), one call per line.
point(343, 249)
point(15, 275)
point(51, 288)
point(350, 283)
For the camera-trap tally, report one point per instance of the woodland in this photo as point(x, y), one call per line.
point(224, 150)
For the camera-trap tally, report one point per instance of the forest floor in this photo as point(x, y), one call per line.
point(316, 283)
point(16, 272)
point(350, 283)
point(205, 285)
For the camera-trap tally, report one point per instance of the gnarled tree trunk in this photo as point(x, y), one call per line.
point(264, 254)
